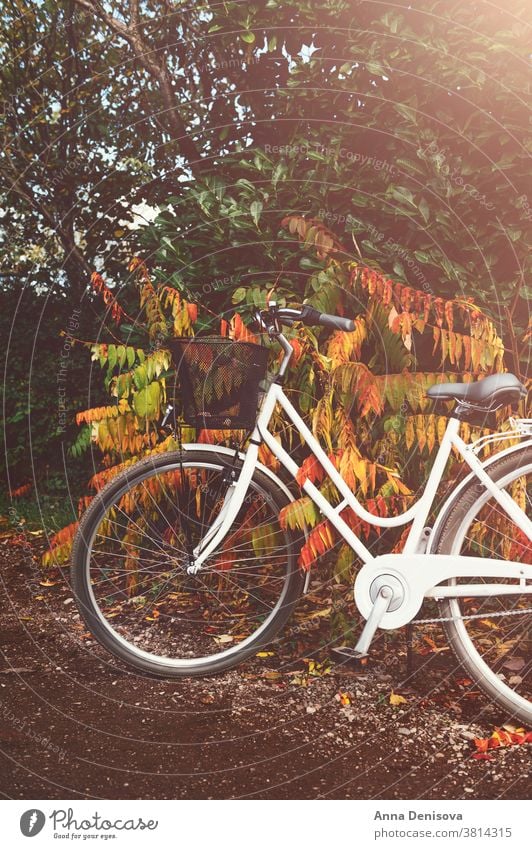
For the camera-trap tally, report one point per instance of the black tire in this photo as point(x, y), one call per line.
point(510, 467)
point(103, 631)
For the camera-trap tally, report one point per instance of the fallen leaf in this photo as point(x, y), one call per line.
point(514, 664)
point(223, 638)
point(396, 699)
point(489, 624)
point(265, 654)
point(481, 743)
point(47, 583)
point(155, 615)
point(501, 738)
point(316, 614)
point(433, 645)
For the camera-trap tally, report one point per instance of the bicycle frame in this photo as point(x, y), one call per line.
point(417, 514)
point(415, 573)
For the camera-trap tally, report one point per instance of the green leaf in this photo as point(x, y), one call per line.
point(405, 112)
point(256, 209)
point(279, 172)
point(238, 295)
point(248, 37)
point(375, 68)
point(146, 402)
point(169, 244)
point(111, 356)
point(140, 376)
point(404, 195)
point(424, 209)
point(359, 200)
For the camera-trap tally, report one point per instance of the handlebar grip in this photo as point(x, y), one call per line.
point(312, 317)
point(337, 322)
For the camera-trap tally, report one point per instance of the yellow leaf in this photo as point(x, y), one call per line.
point(395, 699)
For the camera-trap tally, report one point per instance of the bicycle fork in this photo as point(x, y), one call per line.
point(233, 500)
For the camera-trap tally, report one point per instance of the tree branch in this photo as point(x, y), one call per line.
point(69, 246)
point(145, 55)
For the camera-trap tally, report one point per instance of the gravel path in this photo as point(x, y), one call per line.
point(76, 725)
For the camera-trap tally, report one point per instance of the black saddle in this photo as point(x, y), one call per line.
point(488, 394)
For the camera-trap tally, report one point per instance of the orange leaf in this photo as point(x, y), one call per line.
point(310, 469)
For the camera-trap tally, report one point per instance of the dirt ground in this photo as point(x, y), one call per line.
point(291, 725)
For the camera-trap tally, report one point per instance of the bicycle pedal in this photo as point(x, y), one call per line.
point(347, 654)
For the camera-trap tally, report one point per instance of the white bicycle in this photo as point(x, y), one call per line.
point(181, 565)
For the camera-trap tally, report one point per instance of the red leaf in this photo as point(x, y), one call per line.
point(312, 469)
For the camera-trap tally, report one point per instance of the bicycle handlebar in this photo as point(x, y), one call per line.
point(310, 317)
point(307, 315)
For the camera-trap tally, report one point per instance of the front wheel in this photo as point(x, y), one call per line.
point(495, 647)
point(130, 558)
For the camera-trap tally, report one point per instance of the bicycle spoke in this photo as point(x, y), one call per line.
point(139, 572)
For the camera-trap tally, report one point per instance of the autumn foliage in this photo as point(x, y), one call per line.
point(363, 392)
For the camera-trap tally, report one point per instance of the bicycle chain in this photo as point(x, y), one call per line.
point(471, 616)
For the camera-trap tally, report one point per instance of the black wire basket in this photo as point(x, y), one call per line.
point(218, 381)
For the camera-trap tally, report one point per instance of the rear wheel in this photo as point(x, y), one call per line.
point(130, 558)
point(495, 649)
